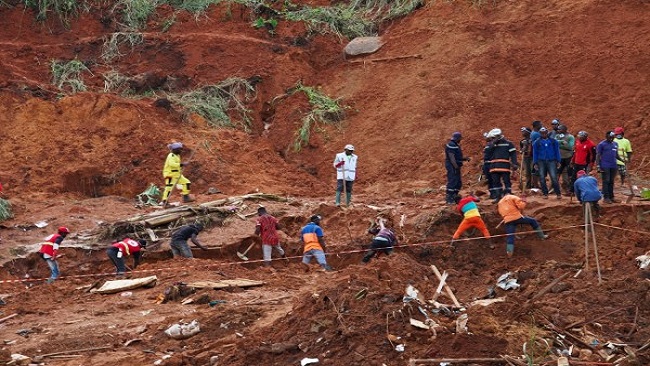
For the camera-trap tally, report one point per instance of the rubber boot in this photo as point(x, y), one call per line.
point(337, 200)
point(327, 268)
point(540, 233)
point(510, 249)
point(348, 198)
point(187, 198)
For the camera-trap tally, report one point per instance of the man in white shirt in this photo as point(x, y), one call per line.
point(346, 168)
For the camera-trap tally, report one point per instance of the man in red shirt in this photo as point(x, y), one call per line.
point(583, 157)
point(267, 226)
point(118, 250)
point(49, 250)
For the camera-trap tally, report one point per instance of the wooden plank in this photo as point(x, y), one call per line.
point(447, 288)
point(111, 287)
point(8, 317)
point(238, 282)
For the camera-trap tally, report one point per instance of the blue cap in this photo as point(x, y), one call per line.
point(456, 136)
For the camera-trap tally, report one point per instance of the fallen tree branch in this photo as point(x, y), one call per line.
point(549, 287)
point(8, 317)
point(72, 351)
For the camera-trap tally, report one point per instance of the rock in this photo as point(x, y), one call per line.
point(363, 45)
point(585, 354)
point(214, 360)
point(18, 359)
point(183, 331)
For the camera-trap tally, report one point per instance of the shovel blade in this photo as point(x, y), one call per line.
point(242, 257)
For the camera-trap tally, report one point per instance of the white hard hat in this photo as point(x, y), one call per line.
point(175, 145)
point(349, 147)
point(494, 132)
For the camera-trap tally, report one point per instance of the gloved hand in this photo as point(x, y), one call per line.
point(119, 254)
point(339, 164)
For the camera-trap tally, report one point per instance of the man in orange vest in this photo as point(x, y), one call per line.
point(510, 208)
point(312, 238)
point(125, 248)
point(49, 250)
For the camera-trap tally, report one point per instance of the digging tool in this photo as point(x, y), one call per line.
point(521, 169)
point(243, 256)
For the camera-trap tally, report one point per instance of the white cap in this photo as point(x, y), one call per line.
point(494, 132)
point(349, 147)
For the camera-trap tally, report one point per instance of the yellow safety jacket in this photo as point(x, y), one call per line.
point(172, 166)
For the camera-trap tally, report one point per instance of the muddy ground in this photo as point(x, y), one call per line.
point(79, 160)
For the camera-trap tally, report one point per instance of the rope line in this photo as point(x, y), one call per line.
point(347, 252)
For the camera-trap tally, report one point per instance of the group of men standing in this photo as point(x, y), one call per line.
point(545, 152)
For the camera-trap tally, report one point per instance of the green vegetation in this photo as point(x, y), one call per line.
point(5, 210)
point(136, 12)
point(214, 102)
point(195, 7)
point(269, 24)
point(67, 75)
point(357, 19)
point(324, 110)
point(112, 43)
point(64, 9)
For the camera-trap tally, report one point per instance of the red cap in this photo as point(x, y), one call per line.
point(0, 187)
point(619, 130)
point(580, 173)
point(64, 230)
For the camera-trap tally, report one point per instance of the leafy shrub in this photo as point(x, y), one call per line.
point(67, 75)
point(324, 110)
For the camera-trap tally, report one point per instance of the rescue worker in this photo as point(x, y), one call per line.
point(624, 152)
point(453, 162)
point(173, 174)
point(180, 237)
point(566, 143)
point(346, 169)
point(383, 242)
point(606, 163)
point(486, 166)
point(546, 158)
point(49, 250)
point(471, 216)
point(555, 124)
point(312, 237)
point(504, 159)
point(267, 227)
point(527, 156)
point(586, 191)
point(124, 248)
point(584, 155)
point(511, 210)
point(534, 136)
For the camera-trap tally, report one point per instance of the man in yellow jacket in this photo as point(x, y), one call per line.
point(510, 208)
point(173, 174)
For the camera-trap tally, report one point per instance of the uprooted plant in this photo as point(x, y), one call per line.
point(324, 110)
point(112, 44)
point(215, 103)
point(66, 75)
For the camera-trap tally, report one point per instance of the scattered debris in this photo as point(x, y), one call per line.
point(184, 330)
point(487, 302)
point(400, 348)
point(461, 324)
point(507, 282)
point(41, 224)
point(644, 260)
point(418, 324)
point(411, 294)
point(111, 287)
point(161, 360)
point(238, 282)
point(41, 357)
point(308, 361)
point(18, 359)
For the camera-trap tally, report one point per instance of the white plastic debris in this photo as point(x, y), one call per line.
point(411, 294)
point(41, 224)
point(644, 260)
point(18, 359)
point(507, 282)
point(461, 324)
point(399, 348)
point(308, 361)
point(182, 331)
point(161, 360)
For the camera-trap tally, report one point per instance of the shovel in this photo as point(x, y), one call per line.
point(243, 256)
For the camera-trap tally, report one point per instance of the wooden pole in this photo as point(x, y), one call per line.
point(593, 237)
point(586, 213)
point(8, 317)
point(447, 288)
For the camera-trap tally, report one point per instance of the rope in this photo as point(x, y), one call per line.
point(347, 252)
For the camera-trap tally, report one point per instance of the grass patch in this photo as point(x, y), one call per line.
point(135, 13)
point(67, 75)
point(112, 44)
point(359, 18)
point(5, 210)
point(196, 7)
point(64, 9)
point(215, 103)
point(325, 110)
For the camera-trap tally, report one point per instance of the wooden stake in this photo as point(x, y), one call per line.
point(8, 317)
point(593, 236)
point(586, 213)
point(74, 351)
point(447, 288)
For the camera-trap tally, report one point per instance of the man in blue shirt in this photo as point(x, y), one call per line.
point(546, 158)
point(586, 190)
point(606, 155)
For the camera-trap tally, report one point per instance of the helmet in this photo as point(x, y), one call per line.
point(456, 136)
point(63, 230)
point(315, 219)
point(583, 134)
point(619, 130)
point(526, 129)
point(555, 122)
point(349, 147)
point(143, 243)
point(175, 145)
point(543, 129)
point(494, 132)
